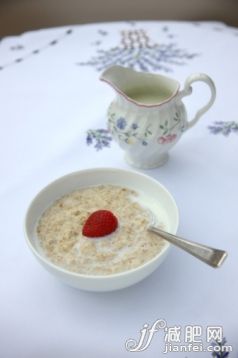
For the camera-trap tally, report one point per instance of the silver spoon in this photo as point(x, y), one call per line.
point(209, 255)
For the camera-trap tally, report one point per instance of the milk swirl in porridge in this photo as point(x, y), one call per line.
point(59, 232)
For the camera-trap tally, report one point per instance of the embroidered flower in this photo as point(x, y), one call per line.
point(223, 127)
point(101, 138)
point(89, 138)
point(137, 50)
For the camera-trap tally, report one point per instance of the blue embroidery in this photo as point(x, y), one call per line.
point(224, 127)
point(137, 51)
point(100, 138)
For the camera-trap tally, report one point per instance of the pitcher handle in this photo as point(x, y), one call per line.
point(188, 90)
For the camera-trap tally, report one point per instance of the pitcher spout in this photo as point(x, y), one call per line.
point(118, 78)
point(141, 88)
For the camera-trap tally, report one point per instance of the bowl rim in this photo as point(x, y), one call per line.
point(47, 262)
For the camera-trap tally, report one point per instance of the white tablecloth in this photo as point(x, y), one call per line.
point(52, 117)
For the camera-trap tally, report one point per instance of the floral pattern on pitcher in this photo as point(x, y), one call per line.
point(101, 138)
point(167, 139)
point(130, 133)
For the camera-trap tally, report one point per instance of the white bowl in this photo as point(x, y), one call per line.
point(130, 179)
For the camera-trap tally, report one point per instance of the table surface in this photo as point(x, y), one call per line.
point(53, 121)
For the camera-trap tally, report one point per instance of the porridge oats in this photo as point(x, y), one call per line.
point(60, 237)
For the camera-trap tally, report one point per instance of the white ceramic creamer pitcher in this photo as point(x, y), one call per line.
point(148, 116)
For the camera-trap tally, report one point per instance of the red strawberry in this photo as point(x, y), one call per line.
point(100, 223)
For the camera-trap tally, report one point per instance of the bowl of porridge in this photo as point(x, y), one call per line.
point(89, 228)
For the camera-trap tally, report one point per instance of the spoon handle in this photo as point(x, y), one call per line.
point(209, 255)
